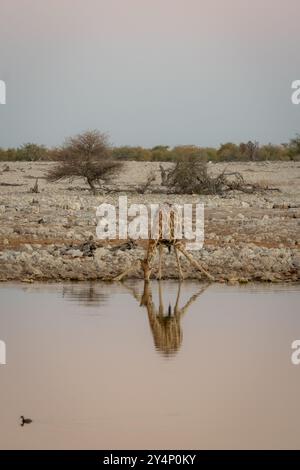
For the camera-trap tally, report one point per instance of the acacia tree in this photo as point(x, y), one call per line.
point(87, 155)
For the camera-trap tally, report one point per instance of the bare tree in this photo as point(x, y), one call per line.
point(88, 156)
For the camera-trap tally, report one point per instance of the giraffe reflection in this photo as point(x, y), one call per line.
point(165, 324)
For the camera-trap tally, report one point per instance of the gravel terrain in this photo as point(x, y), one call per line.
point(51, 235)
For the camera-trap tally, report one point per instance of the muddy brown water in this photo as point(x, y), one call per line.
point(94, 369)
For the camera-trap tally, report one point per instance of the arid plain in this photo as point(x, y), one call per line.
point(51, 235)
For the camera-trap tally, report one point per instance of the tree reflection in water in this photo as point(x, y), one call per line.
point(86, 294)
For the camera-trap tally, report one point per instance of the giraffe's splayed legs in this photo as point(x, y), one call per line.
point(127, 271)
point(147, 263)
point(195, 263)
point(160, 261)
point(178, 263)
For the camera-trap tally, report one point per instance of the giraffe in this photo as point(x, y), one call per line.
point(166, 224)
point(165, 325)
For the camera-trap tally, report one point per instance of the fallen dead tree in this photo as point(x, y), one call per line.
point(192, 177)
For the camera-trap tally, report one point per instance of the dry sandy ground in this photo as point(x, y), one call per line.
point(247, 236)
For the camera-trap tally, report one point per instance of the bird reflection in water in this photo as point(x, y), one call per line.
point(165, 324)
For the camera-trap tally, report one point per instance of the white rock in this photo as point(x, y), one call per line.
point(75, 253)
point(28, 247)
point(100, 252)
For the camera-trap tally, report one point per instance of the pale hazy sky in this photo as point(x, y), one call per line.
point(149, 71)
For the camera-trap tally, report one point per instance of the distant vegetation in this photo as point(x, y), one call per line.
point(27, 152)
point(250, 151)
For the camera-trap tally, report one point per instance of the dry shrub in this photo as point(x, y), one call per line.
point(192, 177)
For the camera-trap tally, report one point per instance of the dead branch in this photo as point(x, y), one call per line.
point(191, 177)
point(35, 188)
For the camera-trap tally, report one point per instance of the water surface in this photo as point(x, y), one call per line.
point(96, 370)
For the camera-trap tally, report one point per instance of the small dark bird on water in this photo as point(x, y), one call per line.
point(25, 420)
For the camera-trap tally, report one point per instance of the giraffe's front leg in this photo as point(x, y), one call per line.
point(147, 262)
point(146, 268)
point(178, 263)
point(160, 261)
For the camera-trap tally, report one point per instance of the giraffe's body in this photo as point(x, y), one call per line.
point(166, 231)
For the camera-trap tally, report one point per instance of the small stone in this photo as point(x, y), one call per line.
point(28, 247)
point(74, 253)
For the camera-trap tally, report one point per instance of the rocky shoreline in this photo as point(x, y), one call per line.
point(51, 236)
